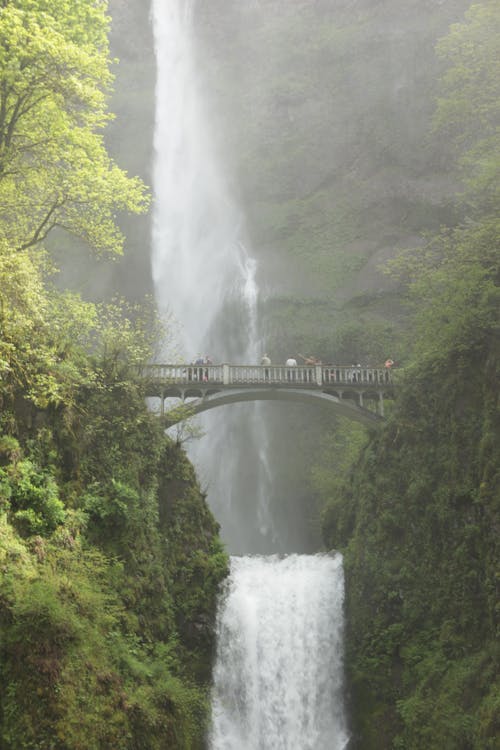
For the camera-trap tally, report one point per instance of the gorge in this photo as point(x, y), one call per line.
point(324, 185)
point(364, 88)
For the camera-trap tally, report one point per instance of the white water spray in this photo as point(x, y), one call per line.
point(205, 277)
point(196, 258)
point(278, 676)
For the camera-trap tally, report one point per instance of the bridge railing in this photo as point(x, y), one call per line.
point(333, 374)
point(319, 375)
point(272, 374)
point(184, 373)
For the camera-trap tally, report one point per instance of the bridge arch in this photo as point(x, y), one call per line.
point(345, 407)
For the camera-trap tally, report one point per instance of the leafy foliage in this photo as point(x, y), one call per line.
point(468, 110)
point(94, 652)
point(42, 333)
point(54, 169)
point(109, 619)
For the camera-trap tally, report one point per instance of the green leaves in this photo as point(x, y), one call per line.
point(468, 110)
point(43, 333)
point(33, 498)
point(470, 103)
point(54, 168)
point(454, 278)
point(454, 291)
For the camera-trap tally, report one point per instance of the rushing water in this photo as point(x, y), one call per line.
point(205, 277)
point(278, 675)
point(197, 250)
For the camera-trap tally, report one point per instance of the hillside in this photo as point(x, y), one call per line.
point(110, 560)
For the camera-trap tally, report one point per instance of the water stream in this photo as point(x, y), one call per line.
point(278, 674)
point(205, 277)
point(278, 671)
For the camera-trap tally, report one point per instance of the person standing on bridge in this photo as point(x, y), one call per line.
point(291, 362)
point(310, 362)
point(206, 372)
point(198, 371)
point(389, 363)
point(266, 362)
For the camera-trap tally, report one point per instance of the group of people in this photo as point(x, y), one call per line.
point(199, 368)
point(353, 374)
point(292, 362)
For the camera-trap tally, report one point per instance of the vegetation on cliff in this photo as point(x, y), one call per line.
point(328, 136)
point(109, 558)
point(419, 517)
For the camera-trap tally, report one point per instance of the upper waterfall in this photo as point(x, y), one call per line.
point(206, 279)
point(198, 253)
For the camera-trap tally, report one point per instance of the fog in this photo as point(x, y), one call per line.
point(320, 121)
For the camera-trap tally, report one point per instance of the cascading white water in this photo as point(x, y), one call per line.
point(278, 675)
point(196, 261)
point(205, 278)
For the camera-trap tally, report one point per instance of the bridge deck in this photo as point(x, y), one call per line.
point(320, 377)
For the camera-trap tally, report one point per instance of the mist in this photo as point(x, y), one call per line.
point(320, 122)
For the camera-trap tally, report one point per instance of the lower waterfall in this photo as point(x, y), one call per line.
point(278, 678)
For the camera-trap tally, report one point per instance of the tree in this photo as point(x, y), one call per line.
point(454, 279)
point(44, 334)
point(54, 168)
point(468, 110)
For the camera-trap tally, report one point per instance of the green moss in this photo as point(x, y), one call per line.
point(107, 606)
point(417, 524)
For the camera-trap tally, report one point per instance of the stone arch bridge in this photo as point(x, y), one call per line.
point(354, 392)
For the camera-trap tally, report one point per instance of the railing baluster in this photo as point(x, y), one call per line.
point(314, 377)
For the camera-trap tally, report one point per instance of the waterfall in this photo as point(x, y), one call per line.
point(278, 674)
point(197, 248)
point(205, 277)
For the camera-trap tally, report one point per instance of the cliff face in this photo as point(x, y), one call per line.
point(110, 565)
point(321, 113)
point(131, 41)
point(419, 525)
point(130, 136)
